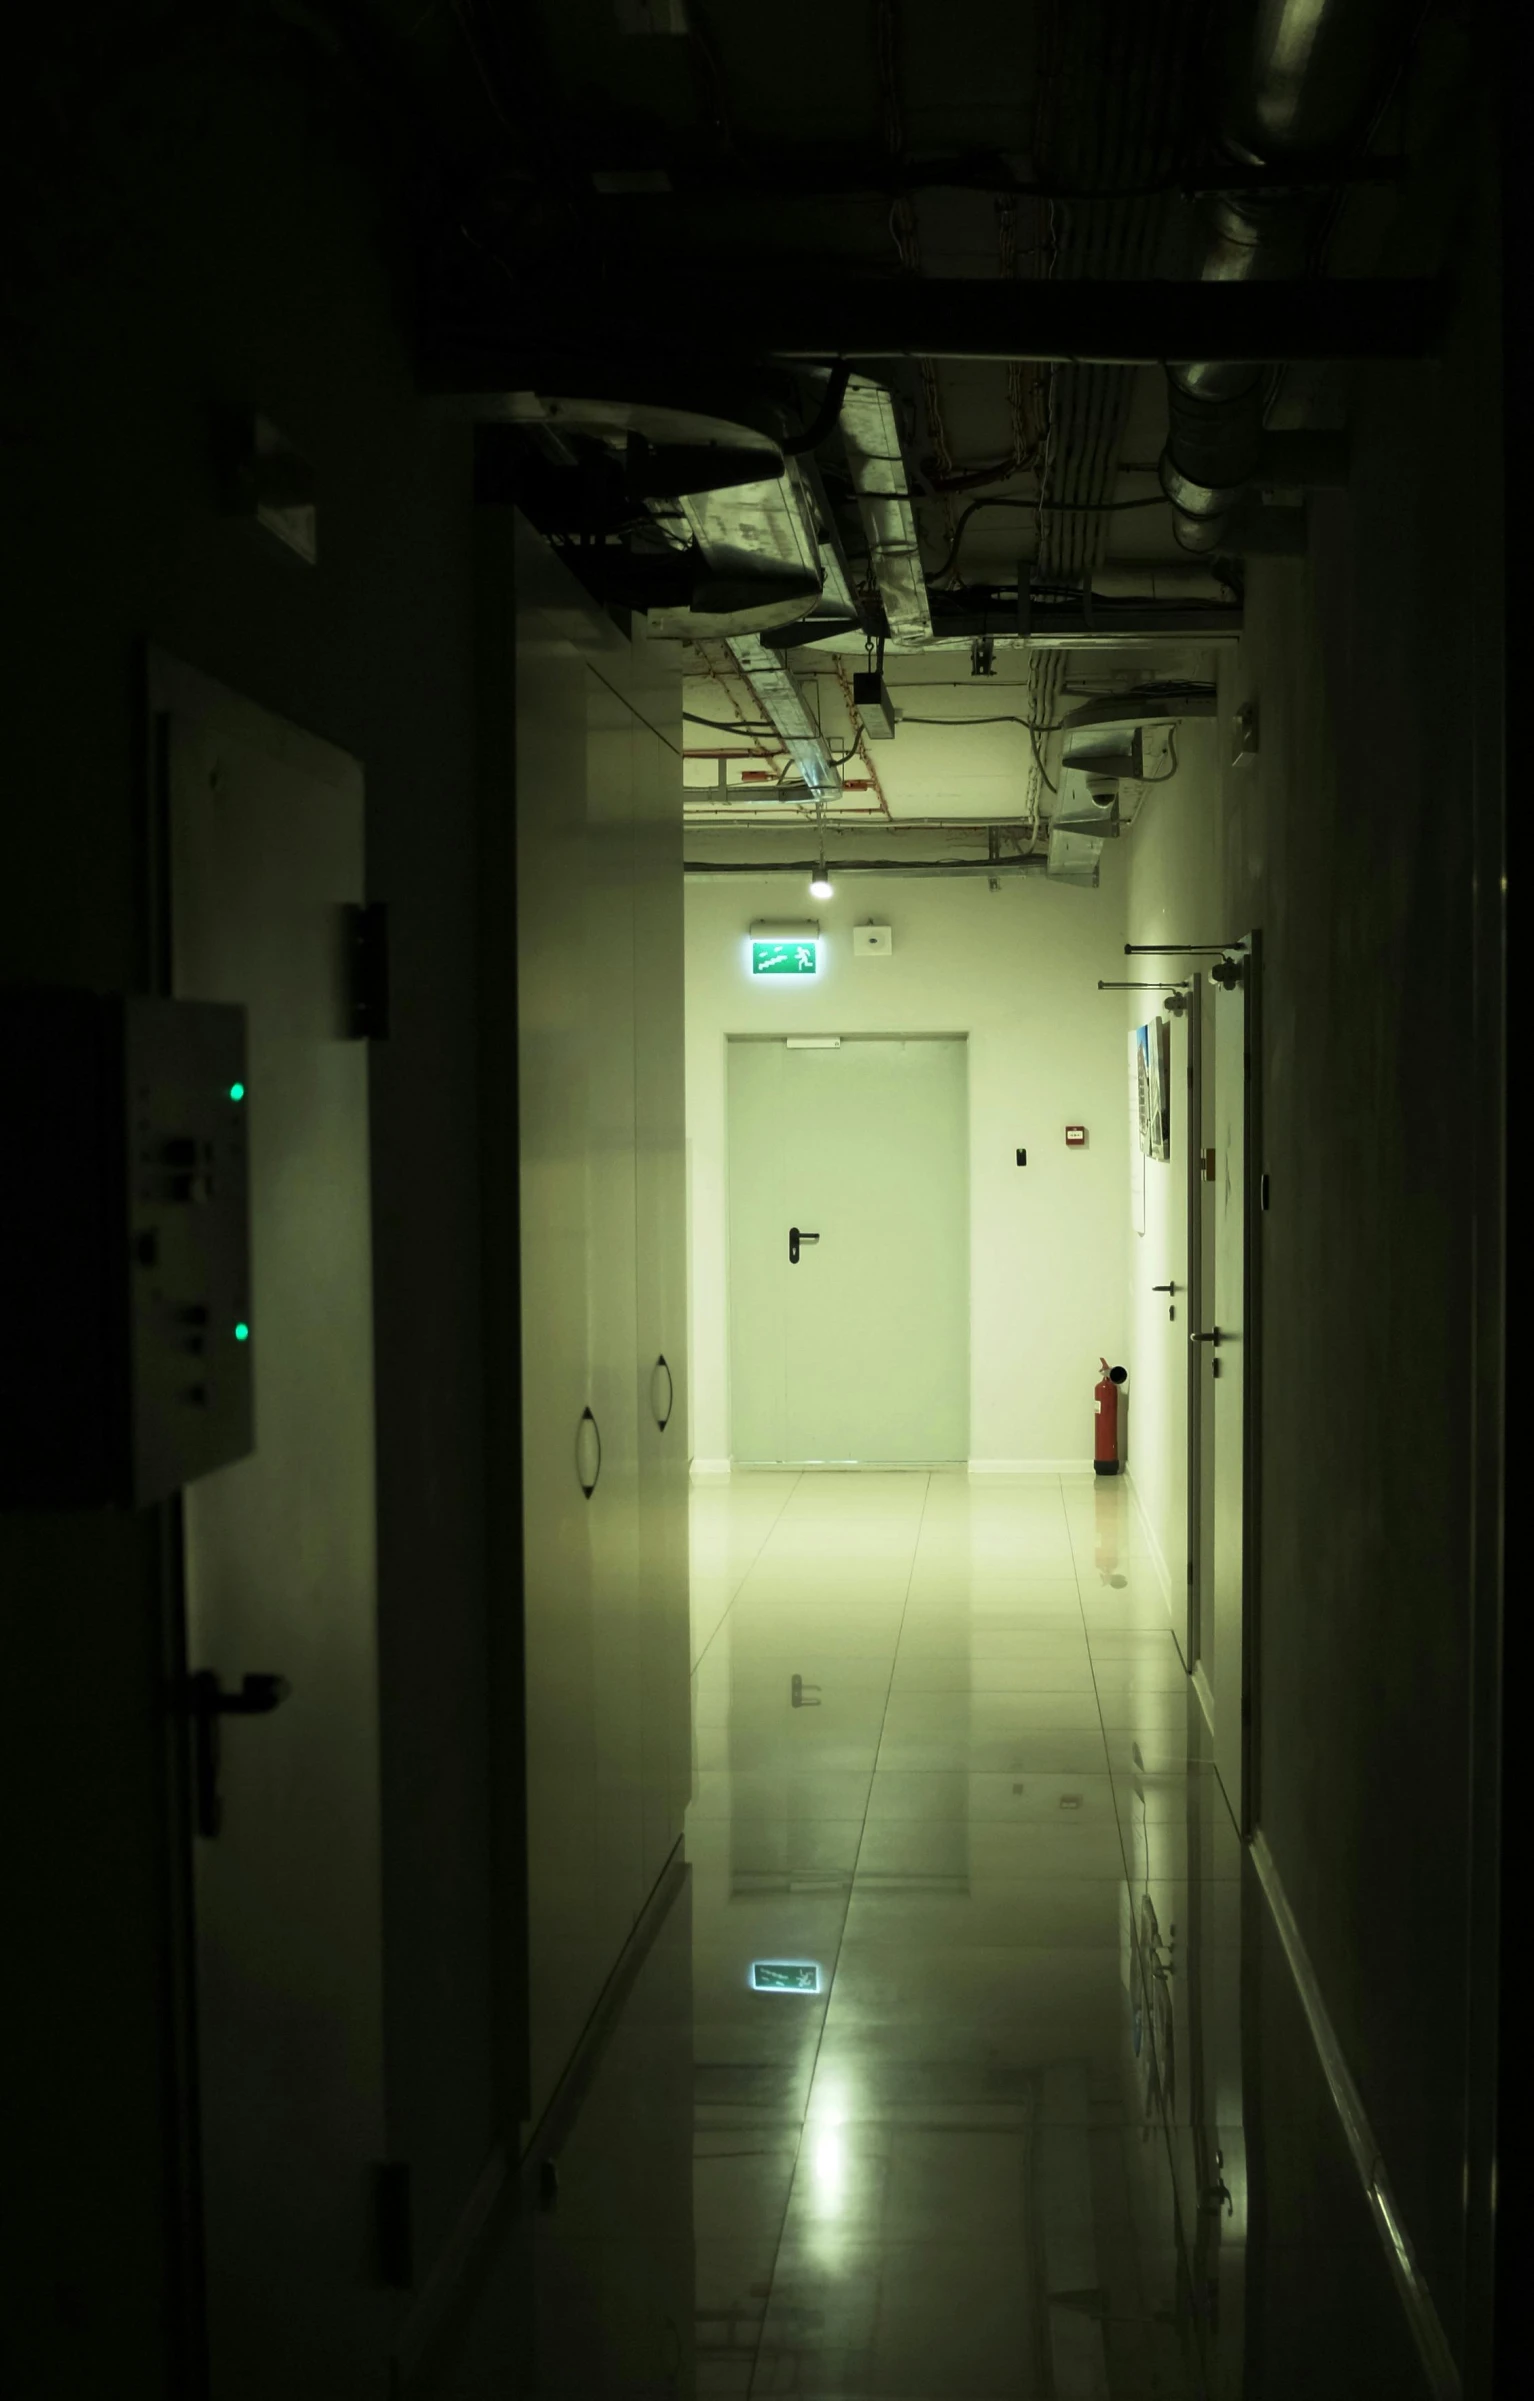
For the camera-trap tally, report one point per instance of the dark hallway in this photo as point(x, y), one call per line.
point(602, 598)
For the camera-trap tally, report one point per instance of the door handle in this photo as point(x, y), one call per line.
point(1212, 1336)
point(1163, 1287)
point(795, 1237)
point(207, 1702)
point(588, 1453)
point(662, 1393)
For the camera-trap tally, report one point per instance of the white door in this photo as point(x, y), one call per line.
point(849, 1252)
point(266, 834)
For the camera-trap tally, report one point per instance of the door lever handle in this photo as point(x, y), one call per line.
point(1213, 1336)
point(795, 1237)
point(1163, 1287)
point(207, 1702)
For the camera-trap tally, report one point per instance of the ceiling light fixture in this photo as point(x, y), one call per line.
point(820, 881)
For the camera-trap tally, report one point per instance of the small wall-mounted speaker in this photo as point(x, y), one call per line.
point(872, 942)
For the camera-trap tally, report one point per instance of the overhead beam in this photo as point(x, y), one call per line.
point(552, 333)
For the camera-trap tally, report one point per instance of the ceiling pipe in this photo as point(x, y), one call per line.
point(701, 870)
point(1300, 78)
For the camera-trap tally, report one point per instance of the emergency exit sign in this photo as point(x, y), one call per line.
point(783, 958)
point(784, 1975)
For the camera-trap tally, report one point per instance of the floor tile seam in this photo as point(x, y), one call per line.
point(777, 2240)
point(739, 1587)
point(777, 2247)
point(1102, 1727)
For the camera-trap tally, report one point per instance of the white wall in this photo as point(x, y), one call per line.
point(1016, 971)
point(1171, 863)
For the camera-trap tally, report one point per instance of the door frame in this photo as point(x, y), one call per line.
point(1255, 1196)
point(1193, 1270)
point(799, 1034)
point(1247, 950)
point(155, 685)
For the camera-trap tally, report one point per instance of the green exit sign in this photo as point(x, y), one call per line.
point(784, 1975)
point(783, 958)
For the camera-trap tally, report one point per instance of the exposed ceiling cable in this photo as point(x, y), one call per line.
point(1025, 433)
point(903, 233)
point(1134, 67)
point(725, 725)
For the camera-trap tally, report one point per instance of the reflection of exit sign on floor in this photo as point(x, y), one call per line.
point(784, 1975)
point(782, 958)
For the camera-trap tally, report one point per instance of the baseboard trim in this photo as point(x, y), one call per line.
point(500, 2185)
point(1153, 1540)
point(1030, 1467)
point(847, 1467)
point(1411, 2286)
point(549, 2136)
point(431, 2309)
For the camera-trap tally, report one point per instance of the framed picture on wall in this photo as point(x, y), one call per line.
point(1160, 1064)
point(1152, 1055)
point(1138, 1088)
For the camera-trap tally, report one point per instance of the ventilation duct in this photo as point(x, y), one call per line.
point(871, 439)
point(1102, 748)
point(1073, 858)
point(1300, 79)
point(770, 537)
point(782, 703)
point(1087, 804)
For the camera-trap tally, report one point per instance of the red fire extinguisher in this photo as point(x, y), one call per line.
point(1106, 1398)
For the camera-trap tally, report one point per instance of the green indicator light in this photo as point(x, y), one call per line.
point(242, 1332)
point(236, 1092)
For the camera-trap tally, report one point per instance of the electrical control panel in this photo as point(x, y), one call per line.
point(125, 1289)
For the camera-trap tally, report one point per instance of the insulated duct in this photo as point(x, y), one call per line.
point(871, 438)
point(1299, 80)
point(781, 701)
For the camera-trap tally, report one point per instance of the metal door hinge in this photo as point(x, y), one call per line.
point(367, 953)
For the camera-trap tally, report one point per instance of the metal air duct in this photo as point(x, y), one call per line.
point(871, 439)
point(1299, 80)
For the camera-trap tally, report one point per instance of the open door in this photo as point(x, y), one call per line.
point(1225, 1346)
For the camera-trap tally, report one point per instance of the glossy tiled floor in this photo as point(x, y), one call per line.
point(939, 1721)
point(968, 2066)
